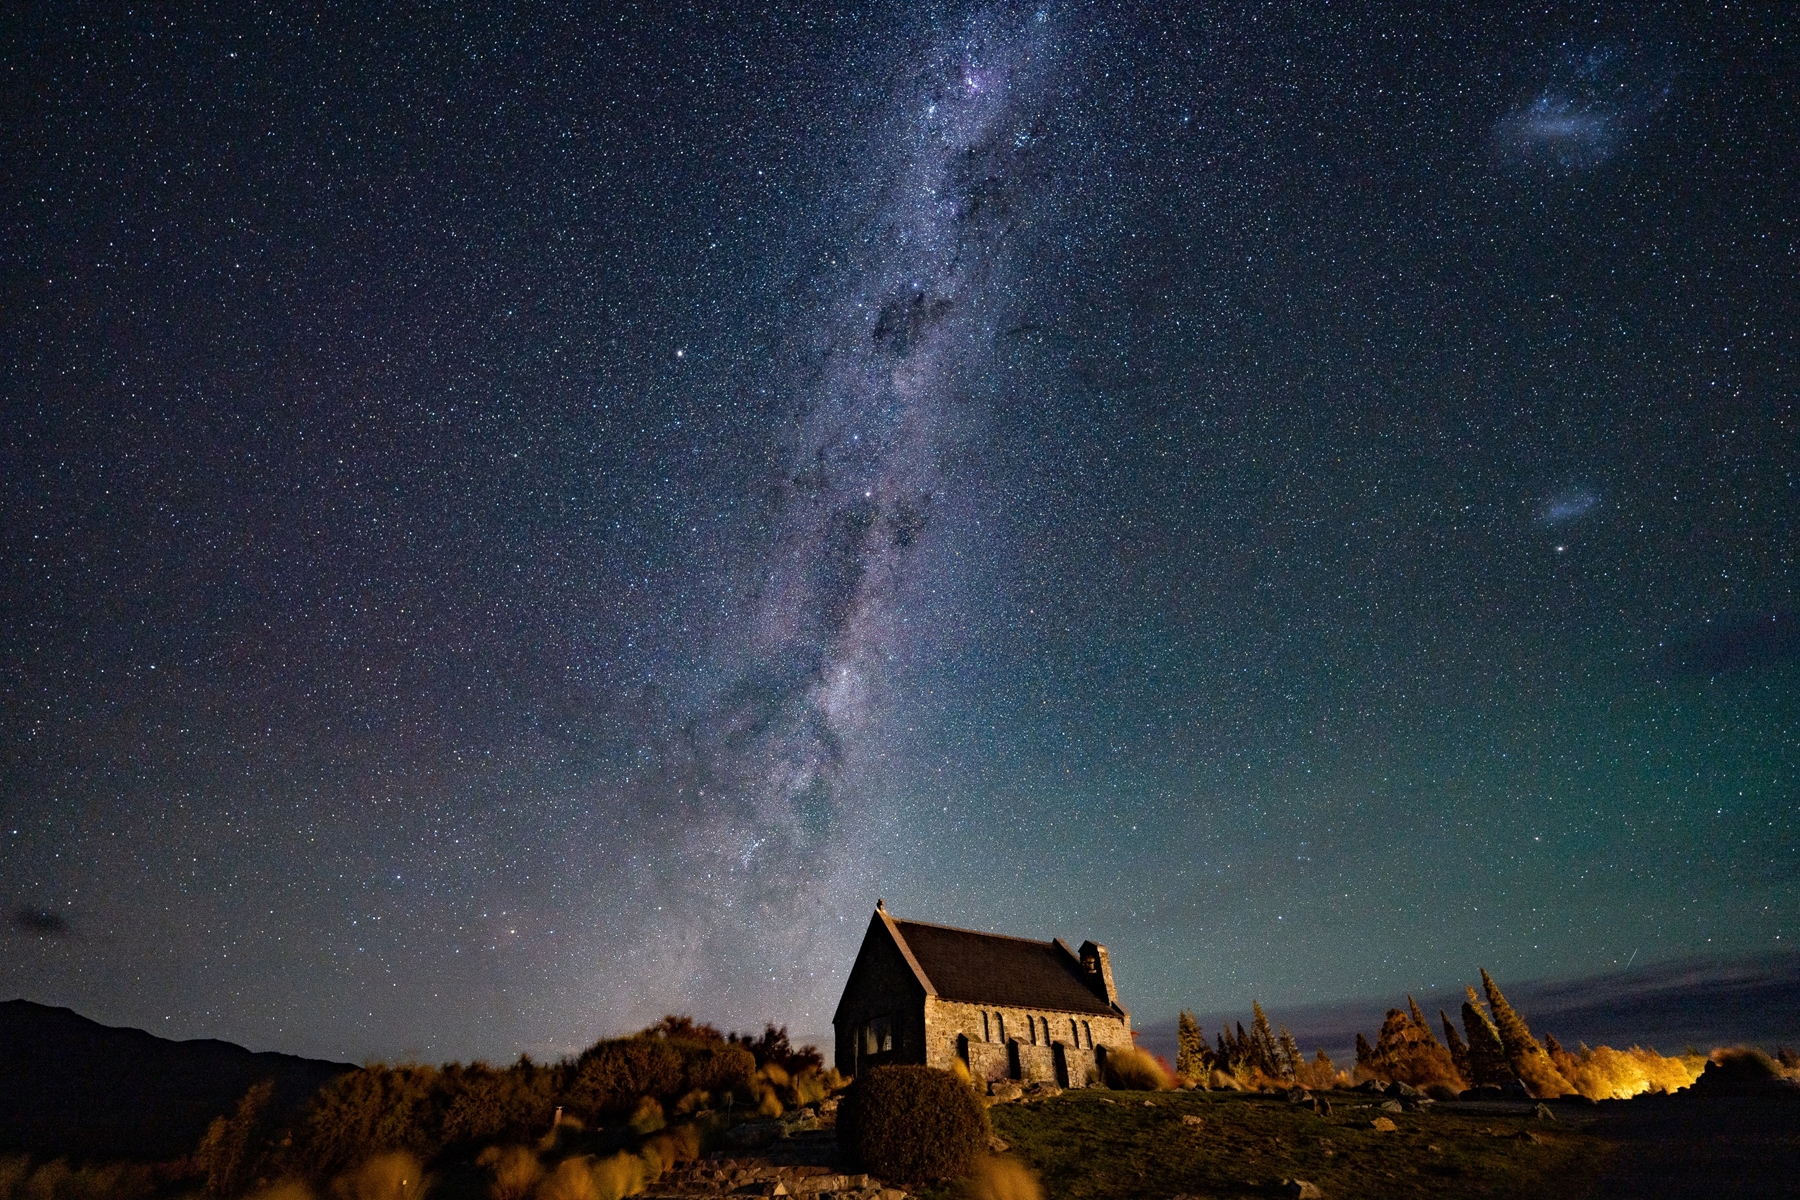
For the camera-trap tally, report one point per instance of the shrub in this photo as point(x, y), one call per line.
point(1135, 1071)
point(610, 1077)
point(617, 1177)
point(394, 1176)
point(719, 1068)
point(56, 1180)
point(647, 1117)
point(912, 1123)
point(284, 1189)
point(480, 1104)
point(366, 1113)
point(225, 1152)
point(1001, 1179)
point(573, 1179)
point(516, 1171)
point(670, 1149)
point(769, 1105)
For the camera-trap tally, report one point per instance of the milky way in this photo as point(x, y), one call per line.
point(768, 862)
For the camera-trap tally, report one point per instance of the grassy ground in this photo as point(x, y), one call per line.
point(1245, 1145)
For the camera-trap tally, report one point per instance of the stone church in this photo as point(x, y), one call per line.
point(1009, 1008)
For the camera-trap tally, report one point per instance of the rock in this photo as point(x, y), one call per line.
point(1371, 1085)
point(1045, 1090)
point(892, 1194)
point(819, 1183)
point(1301, 1189)
point(1542, 1112)
point(1149, 1104)
point(1512, 1089)
point(829, 1105)
point(763, 1187)
point(1004, 1090)
point(1191, 1119)
point(1299, 1096)
point(1525, 1135)
point(997, 1144)
point(1403, 1091)
point(1392, 1106)
point(1322, 1106)
point(1383, 1125)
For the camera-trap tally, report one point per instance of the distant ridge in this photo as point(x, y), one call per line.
point(71, 1086)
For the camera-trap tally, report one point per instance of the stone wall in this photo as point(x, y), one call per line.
point(1004, 1043)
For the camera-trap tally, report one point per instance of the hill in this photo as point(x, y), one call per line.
point(71, 1086)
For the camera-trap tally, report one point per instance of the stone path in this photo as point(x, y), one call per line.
point(753, 1177)
point(804, 1163)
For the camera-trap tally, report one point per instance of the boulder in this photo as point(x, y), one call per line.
point(1301, 1189)
point(1542, 1112)
point(1392, 1106)
point(1299, 1096)
point(1383, 1125)
point(1403, 1091)
point(1322, 1105)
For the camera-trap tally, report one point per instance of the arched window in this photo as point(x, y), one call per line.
point(1088, 1029)
point(1000, 1025)
point(986, 1034)
point(1075, 1033)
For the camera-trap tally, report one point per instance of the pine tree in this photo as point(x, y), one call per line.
point(1263, 1049)
point(1190, 1046)
point(1291, 1058)
point(1526, 1058)
point(1459, 1053)
point(1487, 1058)
point(1406, 1052)
point(1418, 1018)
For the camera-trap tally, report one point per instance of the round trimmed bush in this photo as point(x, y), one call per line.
point(912, 1123)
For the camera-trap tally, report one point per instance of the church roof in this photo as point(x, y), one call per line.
point(991, 968)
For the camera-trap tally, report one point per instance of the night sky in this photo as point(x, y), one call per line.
point(519, 522)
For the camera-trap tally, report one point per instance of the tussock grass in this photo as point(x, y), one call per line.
point(1002, 1179)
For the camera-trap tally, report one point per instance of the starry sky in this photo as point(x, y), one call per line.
point(517, 521)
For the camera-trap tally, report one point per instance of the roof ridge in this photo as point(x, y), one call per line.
point(1010, 937)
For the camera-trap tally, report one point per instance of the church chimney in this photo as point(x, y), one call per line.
point(1099, 969)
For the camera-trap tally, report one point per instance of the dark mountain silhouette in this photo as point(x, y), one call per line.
point(71, 1086)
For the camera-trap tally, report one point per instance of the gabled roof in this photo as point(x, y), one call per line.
point(991, 968)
